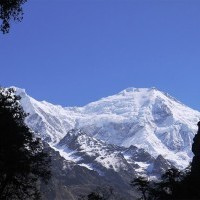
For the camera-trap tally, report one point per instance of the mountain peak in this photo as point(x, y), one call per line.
point(129, 89)
point(144, 117)
point(18, 90)
point(133, 89)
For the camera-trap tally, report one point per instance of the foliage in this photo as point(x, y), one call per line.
point(95, 196)
point(22, 158)
point(102, 193)
point(165, 189)
point(10, 9)
point(143, 185)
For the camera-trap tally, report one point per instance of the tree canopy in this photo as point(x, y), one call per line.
point(10, 10)
point(23, 160)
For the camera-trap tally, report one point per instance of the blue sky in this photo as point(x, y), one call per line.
point(72, 52)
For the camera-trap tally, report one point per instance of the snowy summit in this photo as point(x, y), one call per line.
point(142, 117)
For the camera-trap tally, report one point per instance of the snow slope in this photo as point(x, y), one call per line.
point(143, 117)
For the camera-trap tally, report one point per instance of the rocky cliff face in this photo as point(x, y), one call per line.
point(71, 181)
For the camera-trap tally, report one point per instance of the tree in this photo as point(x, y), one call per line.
point(95, 196)
point(10, 10)
point(102, 193)
point(143, 185)
point(195, 165)
point(170, 180)
point(168, 188)
point(194, 178)
point(23, 160)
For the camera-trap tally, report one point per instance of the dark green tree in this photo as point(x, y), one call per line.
point(10, 10)
point(23, 161)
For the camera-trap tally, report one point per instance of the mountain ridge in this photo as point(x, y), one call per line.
point(143, 117)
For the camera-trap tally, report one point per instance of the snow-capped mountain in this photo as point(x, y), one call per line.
point(143, 117)
point(139, 131)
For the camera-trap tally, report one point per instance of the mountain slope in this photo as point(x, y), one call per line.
point(100, 156)
point(145, 118)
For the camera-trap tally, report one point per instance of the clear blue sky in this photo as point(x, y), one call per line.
point(72, 52)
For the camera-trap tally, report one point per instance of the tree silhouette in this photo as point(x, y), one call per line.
point(10, 10)
point(95, 196)
point(143, 185)
point(102, 193)
point(195, 165)
point(22, 158)
point(194, 178)
point(169, 187)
